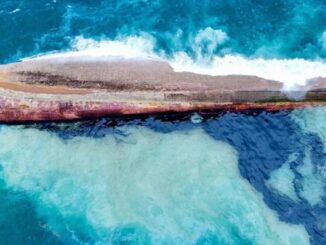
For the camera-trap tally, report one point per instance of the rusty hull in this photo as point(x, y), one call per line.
point(57, 90)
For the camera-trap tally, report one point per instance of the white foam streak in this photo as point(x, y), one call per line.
point(86, 48)
point(291, 72)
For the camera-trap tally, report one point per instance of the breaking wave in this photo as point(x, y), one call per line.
point(291, 72)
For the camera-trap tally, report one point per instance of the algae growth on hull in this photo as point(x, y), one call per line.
point(153, 181)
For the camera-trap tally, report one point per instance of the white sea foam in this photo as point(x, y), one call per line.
point(291, 72)
point(206, 41)
point(87, 48)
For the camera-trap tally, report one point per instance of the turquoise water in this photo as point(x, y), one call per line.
point(254, 178)
point(279, 28)
point(230, 179)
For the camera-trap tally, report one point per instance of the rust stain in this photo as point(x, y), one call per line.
point(20, 111)
point(170, 92)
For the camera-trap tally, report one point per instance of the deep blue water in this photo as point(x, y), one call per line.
point(232, 179)
point(279, 28)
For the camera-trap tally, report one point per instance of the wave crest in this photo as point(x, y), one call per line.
point(291, 72)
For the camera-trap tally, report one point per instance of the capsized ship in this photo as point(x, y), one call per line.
point(74, 88)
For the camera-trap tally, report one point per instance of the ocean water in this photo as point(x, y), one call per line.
point(283, 40)
point(251, 178)
point(230, 179)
